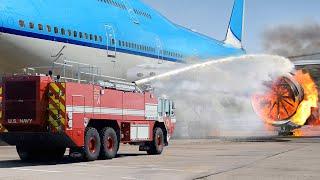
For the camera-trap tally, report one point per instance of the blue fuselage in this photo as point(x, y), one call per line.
point(115, 25)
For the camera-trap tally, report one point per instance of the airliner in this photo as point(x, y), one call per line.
point(115, 35)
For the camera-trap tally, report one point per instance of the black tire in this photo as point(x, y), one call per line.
point(57, 154)
point(92, 144)
point(25, 154)
point(40, 153)
point(157, 145)
point(109, 143)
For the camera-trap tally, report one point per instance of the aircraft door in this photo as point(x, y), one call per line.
point(159, 50)
point(111, 41)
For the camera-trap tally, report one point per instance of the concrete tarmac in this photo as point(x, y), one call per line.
point(283, 159)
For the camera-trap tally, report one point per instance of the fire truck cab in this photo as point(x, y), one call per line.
point(43, 117)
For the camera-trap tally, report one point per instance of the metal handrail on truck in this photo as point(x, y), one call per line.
point(73, 71)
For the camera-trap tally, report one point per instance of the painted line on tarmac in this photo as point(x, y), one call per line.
point(36, 170)
point(130, 167)
point(129, 178)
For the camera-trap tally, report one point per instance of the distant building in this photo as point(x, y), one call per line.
point(310, 63)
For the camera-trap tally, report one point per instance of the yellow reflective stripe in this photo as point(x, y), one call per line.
point(63, 121)
point(53, 122)
point(56, 105)
point(58, 90)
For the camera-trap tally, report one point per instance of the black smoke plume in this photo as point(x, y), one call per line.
point(293, 40)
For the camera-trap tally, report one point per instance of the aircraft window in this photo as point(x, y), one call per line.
point(80, 35)
point(48, 28)
point(21, 23)
point(40, 27)
point(63, 32)
point(31, 25)
point(123, 43)
point(86, 35)
point(91, 37)
point(69, 32)
point(95, 37)
point(119, 43)
point(75, 34)
point(100, 38)
point(56, 30)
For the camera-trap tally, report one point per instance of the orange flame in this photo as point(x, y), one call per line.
point(278, 103)
point(310, 100)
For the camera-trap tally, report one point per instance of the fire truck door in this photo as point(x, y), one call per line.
point(78, 111)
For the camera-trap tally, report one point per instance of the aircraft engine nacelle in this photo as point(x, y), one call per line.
point(280, 101)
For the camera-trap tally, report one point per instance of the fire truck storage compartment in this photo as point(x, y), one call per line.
point(25, 101)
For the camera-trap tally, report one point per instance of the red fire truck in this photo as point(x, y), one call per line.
point(43, 117)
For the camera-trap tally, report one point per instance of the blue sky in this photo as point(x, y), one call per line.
point(211, 17)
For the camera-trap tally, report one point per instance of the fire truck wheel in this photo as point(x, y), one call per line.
point(109, 143)
point(40, 153)
point(56, 154)
point(156, 146)
point(24, 153)
point(92, 144)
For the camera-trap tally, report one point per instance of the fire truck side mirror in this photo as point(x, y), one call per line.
point(173, 105)
point(50, 73)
